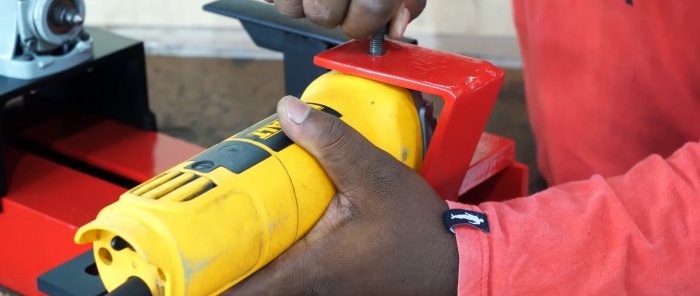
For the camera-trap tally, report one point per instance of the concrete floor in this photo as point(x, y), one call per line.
point(206, 100)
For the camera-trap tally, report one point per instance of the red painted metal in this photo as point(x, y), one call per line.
point(47, 202)
point(493, 154)
point(508, 183)
point(468, 87)
point(123, 150)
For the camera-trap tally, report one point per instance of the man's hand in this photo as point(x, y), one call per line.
point(382, 233)
point(357, 18)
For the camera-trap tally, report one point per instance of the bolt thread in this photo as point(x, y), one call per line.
point(376, 44)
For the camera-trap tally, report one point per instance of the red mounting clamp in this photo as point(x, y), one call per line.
point(468, 87)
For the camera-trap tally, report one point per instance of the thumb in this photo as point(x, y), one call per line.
point(350, 160)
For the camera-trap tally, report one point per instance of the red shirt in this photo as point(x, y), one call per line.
point(613, 90)
point(609, 83)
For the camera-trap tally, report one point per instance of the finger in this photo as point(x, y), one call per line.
point(415, 7)
point(329, 13)
point(399, 22)
point(352, 162)
point(409, 10)
point(293, 8)
point(365, 17)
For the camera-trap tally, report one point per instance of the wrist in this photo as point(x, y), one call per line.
point(449, 269)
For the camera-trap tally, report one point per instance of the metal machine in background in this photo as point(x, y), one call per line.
point(42, 37)
point(54, 174)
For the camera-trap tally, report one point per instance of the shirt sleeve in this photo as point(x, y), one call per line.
point(638, 233)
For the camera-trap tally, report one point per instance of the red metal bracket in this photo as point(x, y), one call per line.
point(468, 86)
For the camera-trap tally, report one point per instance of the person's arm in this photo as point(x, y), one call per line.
point(636, 234)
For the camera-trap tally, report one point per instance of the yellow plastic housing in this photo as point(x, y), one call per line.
point(194, 231)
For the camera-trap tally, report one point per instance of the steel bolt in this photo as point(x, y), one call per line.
point(376, 43)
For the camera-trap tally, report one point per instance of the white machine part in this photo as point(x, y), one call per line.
point(42, 37)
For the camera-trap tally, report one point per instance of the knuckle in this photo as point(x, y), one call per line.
point(378, 9)
point(335, 140)
point(366, 16)
point(327, 13)
point(290, 8)
point(321, 15)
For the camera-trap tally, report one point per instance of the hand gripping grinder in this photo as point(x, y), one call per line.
point(206, 224)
